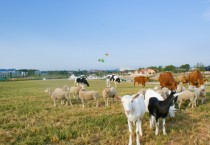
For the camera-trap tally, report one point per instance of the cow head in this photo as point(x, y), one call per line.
point(118, 80)
point(86, 83)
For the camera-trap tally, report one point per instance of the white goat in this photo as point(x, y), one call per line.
point(134, 108)
point(88, 95)
point(109, 93)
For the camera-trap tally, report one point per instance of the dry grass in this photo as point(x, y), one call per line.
point(29, 117)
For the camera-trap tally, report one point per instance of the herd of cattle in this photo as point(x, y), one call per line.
point(159, 102)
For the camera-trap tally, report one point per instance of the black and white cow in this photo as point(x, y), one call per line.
point(81, 80)
point(112, 78)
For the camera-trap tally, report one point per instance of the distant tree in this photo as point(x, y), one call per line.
point(170, 68)
point(200, 66)
point(31, 72)
point(185, 67)
point(153, 67)
point(159, 68)
point(140, 68)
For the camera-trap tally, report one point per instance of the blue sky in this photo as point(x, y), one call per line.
point(74, 34)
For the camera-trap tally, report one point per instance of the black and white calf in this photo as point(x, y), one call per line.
point(81, 80)
point(160, 109)
point(112, 78)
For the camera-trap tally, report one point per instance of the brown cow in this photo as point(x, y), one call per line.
point(167, 80)
point(141, 80)
point(196, 78)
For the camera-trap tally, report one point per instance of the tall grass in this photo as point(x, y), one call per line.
point(27, 116)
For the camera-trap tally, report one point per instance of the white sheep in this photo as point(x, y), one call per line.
point(164, 92)
point(187, 95)
point(60, 95)
point(65, 88)
point(180, 88)
point(88, 95)
point(157, 88)
point(109, 93)
point(200, 93)
point(74, 91)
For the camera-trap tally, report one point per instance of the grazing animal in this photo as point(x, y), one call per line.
point(196, 78)
point(187, 95)
point(81, 80)
point(134, 108)
point(185, 79)
point(149, 94)
point(112, 78)
point(60, 95)
point(200, 93)
point(88, 95)
point(74, 91)
point(164, 92)
point(167, 80)
point(109, 93)
point(180, 88)
point(141, 80)
point(160, 109)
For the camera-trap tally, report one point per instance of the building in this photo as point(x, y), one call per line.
point(143, 72)
point(8, 73)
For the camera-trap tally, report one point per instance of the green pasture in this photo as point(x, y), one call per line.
point(27, 116)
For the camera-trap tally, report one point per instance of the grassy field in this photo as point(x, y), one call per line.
point(27, 116)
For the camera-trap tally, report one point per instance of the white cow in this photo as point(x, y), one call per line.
point(112, 78)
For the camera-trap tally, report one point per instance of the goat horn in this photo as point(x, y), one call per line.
point(135, 96)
